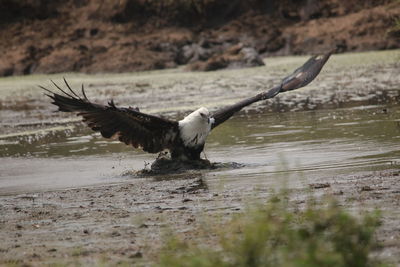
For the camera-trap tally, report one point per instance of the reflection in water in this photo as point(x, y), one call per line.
point(306, 142)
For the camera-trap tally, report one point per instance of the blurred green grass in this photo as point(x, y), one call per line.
point(280, 234)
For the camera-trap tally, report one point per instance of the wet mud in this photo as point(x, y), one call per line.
point(168, 166)
point(69, 196)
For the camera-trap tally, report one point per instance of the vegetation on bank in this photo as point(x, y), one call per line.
point(279, 234)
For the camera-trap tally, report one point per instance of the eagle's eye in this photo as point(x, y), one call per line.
point(203, 115)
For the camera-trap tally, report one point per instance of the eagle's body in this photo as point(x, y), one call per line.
point(188, 139)
point(184, 139)
point(195, 127)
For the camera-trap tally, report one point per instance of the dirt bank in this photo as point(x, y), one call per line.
point(134, 35)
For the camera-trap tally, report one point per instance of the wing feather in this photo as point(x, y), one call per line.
point(299, 78)
point(151, 133)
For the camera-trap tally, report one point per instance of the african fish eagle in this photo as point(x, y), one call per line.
point(184, 139)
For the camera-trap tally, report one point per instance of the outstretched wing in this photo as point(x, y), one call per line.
point(299, 78)
point(151, 133)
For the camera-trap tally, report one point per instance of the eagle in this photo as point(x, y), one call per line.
point(183, 139)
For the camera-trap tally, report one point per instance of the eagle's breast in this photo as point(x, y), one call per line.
point(195, 128)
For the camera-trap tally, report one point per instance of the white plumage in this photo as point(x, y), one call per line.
point(195, 127)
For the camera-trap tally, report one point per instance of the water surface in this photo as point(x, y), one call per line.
point(345, 122)
point(302, 146)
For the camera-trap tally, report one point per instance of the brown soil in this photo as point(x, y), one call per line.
point(134, 35)
point(127, 223)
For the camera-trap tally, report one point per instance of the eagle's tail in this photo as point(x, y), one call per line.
point(70, 101)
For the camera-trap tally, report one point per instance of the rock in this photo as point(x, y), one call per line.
point(250, 58)
point(236, 56)
point(192, 53)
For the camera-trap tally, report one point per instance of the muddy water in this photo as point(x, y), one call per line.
point(300, 145)
point(304, 146)
point(345, 121)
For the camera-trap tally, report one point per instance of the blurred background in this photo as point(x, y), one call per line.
point(92, 36)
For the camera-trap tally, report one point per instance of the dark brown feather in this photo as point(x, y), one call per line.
point(299, 78)
point(153, 134)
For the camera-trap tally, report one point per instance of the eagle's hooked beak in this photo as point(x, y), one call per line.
point(211, 120)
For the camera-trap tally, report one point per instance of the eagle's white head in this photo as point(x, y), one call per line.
point(195, 127)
